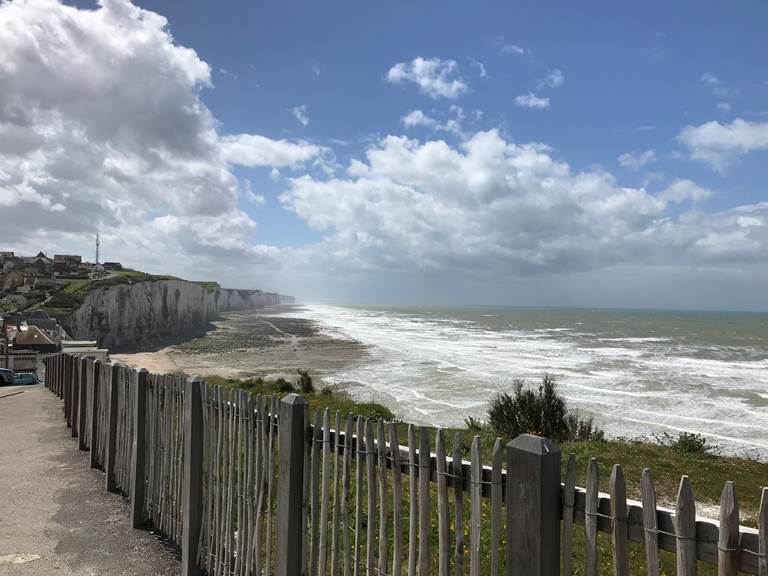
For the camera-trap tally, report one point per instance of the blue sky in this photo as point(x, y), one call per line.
point(382, 148)
point(633, 78)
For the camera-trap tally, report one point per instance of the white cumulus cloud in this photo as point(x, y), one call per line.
point(435, 77)
point(719, 145)
point(102, 128)
point(491, 204)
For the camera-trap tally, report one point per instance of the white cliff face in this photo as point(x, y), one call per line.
point(140, 313)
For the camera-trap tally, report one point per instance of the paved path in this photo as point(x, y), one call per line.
point(55, 516)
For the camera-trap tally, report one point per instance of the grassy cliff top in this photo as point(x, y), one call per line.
point(71, 297)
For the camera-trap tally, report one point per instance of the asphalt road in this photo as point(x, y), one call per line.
point(55, 516)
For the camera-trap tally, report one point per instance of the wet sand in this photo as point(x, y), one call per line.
point(267, 342)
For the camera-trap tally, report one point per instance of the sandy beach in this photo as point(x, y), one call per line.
point(267, 342)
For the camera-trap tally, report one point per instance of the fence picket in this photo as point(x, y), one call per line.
point(314, 549)
point(325, 485)
point(475, 522)
point(569, 497)
point(424, 511)
point(458, 492)
point(370, 529)
point(358, 496)
point(619, 522)
point(336, 496)
point(685, 528)
point(249, 475)
point(650, 527)
point(383, 514)
point(345, 495)
point(442, 505)
point(763, 535)
point(270, 481)
point(496, 506)
point(231, 456)
point(728, 543)
point(261, 445)
point(590, 520)
point(397, 503)
point(412, 518)
point(240, 450)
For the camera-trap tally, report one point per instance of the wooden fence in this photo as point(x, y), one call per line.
point(249, 485)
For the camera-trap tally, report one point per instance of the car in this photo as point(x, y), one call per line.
point(26, 378)
point(7, 376)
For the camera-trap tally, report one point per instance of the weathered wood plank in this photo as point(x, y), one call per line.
point(345, 481)
point(496, 505)
point(397, 503)
point(728, 542)
point(270, 481)
point(370, 529)
point(356, 563)
point(325, 487)
point(383, 507)
point(476, 504)
point(413, 468)
point(457, 471)
point(336, 497)
point(442, 506)
point(619, 522)
point(314, 549)
point(763, 535)
point(590, 522)
point(569, 497)
point(650, 527)
point(424, 508)
point(685, 528)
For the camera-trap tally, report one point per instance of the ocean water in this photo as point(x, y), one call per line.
point(637, 373)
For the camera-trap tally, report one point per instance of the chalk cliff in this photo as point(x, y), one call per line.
point(145, 312)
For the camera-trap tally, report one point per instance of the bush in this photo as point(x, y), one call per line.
point(542, 412)
point(282, 385)
point(305, 382)
point(473, 424)
point(687, 442)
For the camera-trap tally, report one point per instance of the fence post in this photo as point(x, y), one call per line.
point(138, 454)
point(290, 489)
point(533, 507)
point(95, 414)
point(110, 452)
point(74, 403)
point(68, 390)
point(82, 402)
point(192, 495)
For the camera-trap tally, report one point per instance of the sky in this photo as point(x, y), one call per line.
point(520, 153)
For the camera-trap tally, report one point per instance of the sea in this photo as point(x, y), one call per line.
point(638, 373)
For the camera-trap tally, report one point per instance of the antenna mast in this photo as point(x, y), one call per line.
point(97, 248)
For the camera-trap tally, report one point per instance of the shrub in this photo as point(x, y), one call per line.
point(540, 411)
point(473, 424)
point(326, 391)
point(687, 442)
point(305, 382)
point(282, 385)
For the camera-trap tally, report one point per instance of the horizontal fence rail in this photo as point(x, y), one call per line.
point(252, 485)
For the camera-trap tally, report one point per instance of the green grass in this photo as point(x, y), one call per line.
point(209, 287)
point(71, 297)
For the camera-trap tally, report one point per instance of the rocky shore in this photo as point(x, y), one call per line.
point(268, 342)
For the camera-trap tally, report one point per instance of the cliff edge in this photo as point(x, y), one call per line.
point(144, 312)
